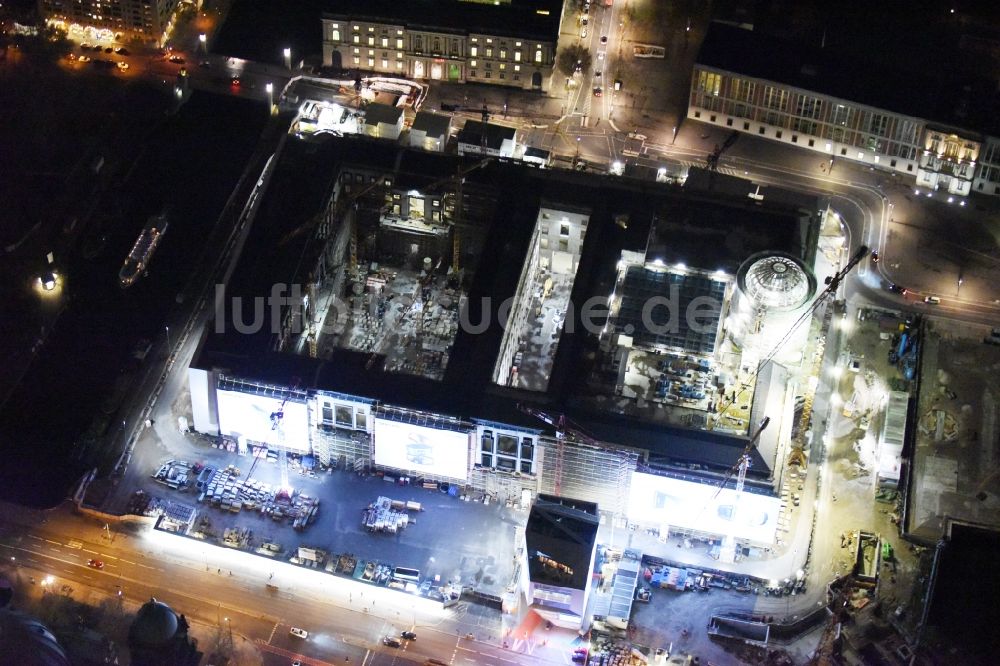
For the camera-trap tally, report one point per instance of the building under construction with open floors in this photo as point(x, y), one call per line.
point(476, 322)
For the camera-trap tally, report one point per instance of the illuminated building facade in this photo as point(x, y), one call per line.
point(510, 43)
point(811, 99)
point(111, 20)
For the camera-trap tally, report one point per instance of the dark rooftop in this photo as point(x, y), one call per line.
point(559, 539)
point(537, 19)
point(376, 113)
point(472, 134)
point(434, 124)
point(961, 100)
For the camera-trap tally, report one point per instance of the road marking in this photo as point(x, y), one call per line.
point(55, 542)
point(92, 552)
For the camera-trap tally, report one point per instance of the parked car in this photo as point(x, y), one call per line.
point(932, 300)
point(300, 633)
point(409, 635)
point(896, 289)
point(389, 641)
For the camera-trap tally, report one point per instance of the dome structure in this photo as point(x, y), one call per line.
point(776, 281)
point(28, 642)
point(155, 625)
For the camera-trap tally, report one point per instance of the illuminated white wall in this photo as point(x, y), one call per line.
point(246, 415)
point(657, 501)
point(415, 448)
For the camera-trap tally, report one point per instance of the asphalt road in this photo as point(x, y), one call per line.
point(199, 584)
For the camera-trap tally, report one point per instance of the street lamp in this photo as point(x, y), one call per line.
point(167, 329)
point(203, 42)
point(270, 96)
point(288, 57)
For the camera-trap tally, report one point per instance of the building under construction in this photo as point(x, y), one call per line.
point(479, 322)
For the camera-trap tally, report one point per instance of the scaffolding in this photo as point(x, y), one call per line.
point(591, 473)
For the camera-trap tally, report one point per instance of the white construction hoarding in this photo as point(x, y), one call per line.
point(255, 418)
point(414, 448)
point(662, 501)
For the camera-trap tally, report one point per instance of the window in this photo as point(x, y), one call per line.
point(371, 53)
point(399, 32)
point(360, 420)
point(709, 82)
point(517, 68)
point(842, 115)
point(489, 52)
point(746, 127)
point(503, 66)
point(357, 39)
point(503, 54)
point(371, 28)
point(357, 60)
point(517, 56)
point(399, 43)
point(327, 413)
point(399, 64)
point(335, 35)
point(371, 62)
point(518, 44)
point(486, 445)
point(385, 63)
point(474, 51)
point(777, 135)
point(472, 63)
point(371, 41)
point(761, 130)
point(489, 75)
point(489, 40)
point(385, 42)
point(775, 98)
point(345, 416)
point(743, 90)
point(711, 118)
point(399, 55)
point(357, 51)
point(808, 107)
point(538, 55)
point(472, 72)
point(811, 143)
point(437, 45)
point(877, 124)
point(564, 229)
point(729, 122)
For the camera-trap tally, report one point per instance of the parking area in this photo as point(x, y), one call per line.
point(367, 527)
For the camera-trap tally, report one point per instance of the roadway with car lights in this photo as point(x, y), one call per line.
point(338, 621)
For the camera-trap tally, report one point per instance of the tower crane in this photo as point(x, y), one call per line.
point(565, 428)
point(740, 470)
point(276, 421)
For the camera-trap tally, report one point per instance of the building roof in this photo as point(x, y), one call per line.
point(536, 19)
point(959, 100)
point(377, 113)
point(433, 124)
point(472, 133)
point(560, 538)
point(281, 248)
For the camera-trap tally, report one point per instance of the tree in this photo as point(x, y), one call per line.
point(571, 56)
